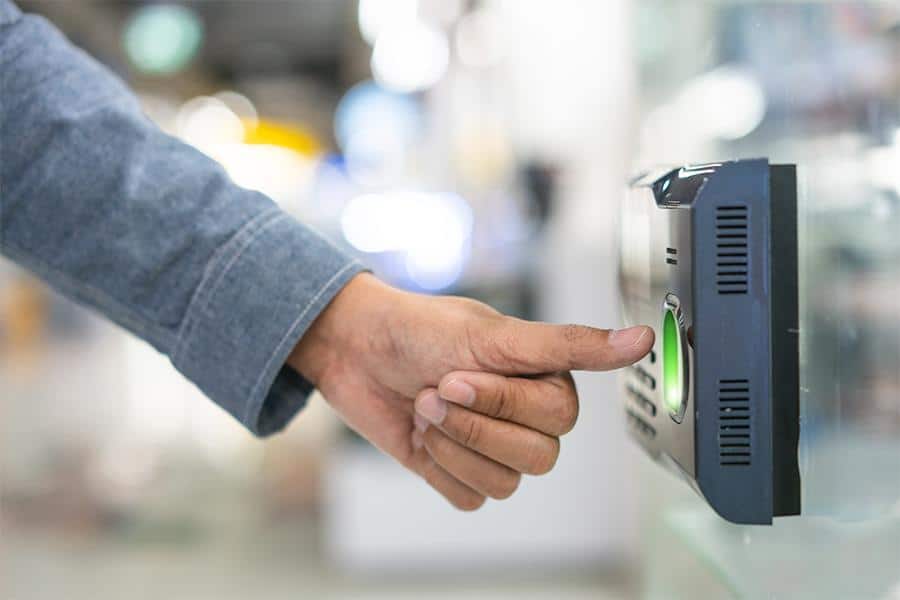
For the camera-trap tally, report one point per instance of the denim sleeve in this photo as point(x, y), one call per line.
point(150, 232)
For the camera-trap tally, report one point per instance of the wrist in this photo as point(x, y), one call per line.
point(331, 335)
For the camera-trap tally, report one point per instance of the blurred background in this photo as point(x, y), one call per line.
point(479, 148)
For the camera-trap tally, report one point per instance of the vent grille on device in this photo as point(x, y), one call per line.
point(734, 422)
point(731, 249)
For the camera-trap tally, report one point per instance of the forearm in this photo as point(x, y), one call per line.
point(152, 233)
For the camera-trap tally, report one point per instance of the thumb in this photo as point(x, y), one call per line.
point(524, 347)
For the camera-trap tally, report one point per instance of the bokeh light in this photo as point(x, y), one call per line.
point(374, 161)
point(479, 39)
point(375, 128)
point(240, 105)
point(205, 122)
point(368, 106)
point(729, 102)
point(433, 230)
point(377, 15)
point(162, 39)
point(410, 56)
point(276, 159)
point(282, 174)
point(881, 164)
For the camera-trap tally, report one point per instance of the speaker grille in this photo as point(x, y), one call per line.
point(731, 249)
point(735, 448)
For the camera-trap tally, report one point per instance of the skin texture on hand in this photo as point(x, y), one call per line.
point(460, 394)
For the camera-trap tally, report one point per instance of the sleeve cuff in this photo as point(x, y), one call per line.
point(259, 295)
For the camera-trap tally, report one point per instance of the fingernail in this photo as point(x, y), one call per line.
point(458, 392)
point(626, 338)
point(432, 407)
point(421, 423)
point(417, 439)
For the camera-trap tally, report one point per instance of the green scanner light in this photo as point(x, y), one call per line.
point(673, 364)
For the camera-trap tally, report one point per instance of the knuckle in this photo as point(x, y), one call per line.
point(484, 343)
point(471, 432)
point(501, 349)
point(469, 307)
point(566, 413)
point(575, 333)
point(505, 346)
point(543, 457)
point(505, 403)
point(575, 337)
point(487, 354)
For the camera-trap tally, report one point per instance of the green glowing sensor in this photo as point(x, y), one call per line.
point(673, 365)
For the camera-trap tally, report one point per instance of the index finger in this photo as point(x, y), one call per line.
point(514, 347)
point(548, 403)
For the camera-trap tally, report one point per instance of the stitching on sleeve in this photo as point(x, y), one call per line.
point(243, 248)
point(279, 348)
point(204, 291)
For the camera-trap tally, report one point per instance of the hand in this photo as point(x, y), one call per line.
point(466, 397)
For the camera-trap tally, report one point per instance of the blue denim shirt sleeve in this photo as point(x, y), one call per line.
point(152, 233)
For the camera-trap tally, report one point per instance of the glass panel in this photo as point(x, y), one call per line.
point(815, 84)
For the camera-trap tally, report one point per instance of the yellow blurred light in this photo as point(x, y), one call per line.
point(482, 152)
point(291, 136)
point(271, 157)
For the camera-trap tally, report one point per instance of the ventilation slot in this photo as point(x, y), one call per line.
point(641, 400)
point(731, 250)
point(639, 425)
point(734, 423)
point(671, 256)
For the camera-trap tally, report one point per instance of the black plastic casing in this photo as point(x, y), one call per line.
point(722, 238)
